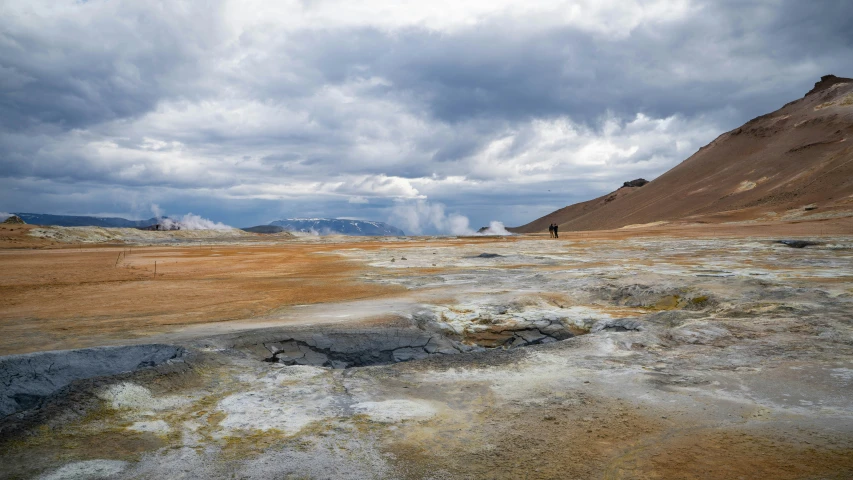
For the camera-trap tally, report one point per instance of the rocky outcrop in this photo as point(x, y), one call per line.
point(826, 82)
point(618, 325)
point(498, 326)
point(636, 183)
point(14, 220)
point(431, 333)
point(30, 379)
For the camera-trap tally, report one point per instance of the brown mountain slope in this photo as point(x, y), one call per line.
point(774, 166)
point(573, 212)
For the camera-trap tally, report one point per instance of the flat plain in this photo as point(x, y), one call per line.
point(663, 351)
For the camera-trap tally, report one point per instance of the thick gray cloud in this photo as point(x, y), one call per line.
point(246, 112)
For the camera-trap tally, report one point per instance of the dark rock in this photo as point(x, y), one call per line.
point(357, 348)
point(30, 379)
point(266, 229)
point(617, 325)
point(636, 183)
point(408, 353)
point(362, 347)
point(797, 243)
point(827, 81)
point(488, 255)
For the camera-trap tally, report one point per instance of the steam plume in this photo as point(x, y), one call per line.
point(426, 217)
point(192, 222)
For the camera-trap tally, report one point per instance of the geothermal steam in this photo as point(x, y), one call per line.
point(192, 222)
point(423, 216)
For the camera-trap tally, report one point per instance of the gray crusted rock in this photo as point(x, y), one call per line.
point(408, 353)
point(798, 243)
point(312, 357)
point(290, 350)
point(617, 324)
point(698, 333)
point(530, 336)
point(555, 328)
point(29, 379)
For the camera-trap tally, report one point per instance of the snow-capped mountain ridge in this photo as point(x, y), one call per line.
point(333, 226)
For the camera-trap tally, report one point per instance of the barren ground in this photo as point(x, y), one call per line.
point(702, 351)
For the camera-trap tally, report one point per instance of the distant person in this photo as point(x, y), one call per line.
point(551, 230)
point(555, 231)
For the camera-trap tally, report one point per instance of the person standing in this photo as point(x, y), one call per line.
point(555, 231)
point(551, 230)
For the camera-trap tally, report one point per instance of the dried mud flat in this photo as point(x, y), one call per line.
point(671, 353)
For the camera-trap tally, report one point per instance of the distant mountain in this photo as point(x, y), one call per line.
point(777, 166)
point(264, 229)
point(81, 221)
point(331, 226)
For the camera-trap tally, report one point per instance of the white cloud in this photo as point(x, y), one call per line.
point(343, 108)
point(613, 17)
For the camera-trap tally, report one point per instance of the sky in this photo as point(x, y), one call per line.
point(429, 115)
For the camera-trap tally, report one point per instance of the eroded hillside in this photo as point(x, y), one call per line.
point(796, 162)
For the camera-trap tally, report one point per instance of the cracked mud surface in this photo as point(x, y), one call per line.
point(668, 358)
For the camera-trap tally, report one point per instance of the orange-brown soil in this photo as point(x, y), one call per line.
point(70, 296)
point(727, 453)
point(18, 236)
point(491, 424)
point(64, 296)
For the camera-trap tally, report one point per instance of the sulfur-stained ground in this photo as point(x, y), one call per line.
point(738, 362)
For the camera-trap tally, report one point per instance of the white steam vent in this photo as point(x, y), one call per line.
point(192, 222)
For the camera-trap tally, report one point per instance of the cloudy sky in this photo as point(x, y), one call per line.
point(245, 112)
